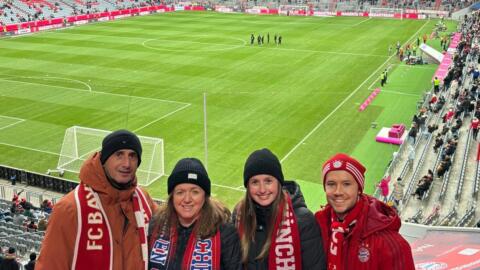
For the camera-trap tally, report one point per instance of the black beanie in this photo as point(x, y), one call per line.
point(189, 170)
point(120, 139)
point(262, 161)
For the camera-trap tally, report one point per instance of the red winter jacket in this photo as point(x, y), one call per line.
point(374, 243)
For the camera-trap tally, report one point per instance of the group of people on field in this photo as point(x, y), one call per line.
point(109, 222)
point(277, 38)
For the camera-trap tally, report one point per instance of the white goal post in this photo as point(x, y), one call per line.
point(79, 143)
point(386, 12)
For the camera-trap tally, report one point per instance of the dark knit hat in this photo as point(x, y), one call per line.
point(189, 170)
point(120, 139)
point(262, 161)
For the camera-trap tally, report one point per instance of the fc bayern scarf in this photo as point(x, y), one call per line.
point(199, 253)
point(93, 245)
point(339, 229)
point(285, 249)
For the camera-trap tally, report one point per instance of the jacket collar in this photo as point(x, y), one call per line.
point(93, 175)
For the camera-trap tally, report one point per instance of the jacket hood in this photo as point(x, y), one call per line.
point(296, 194)
point(380, 217)
point(93, 175)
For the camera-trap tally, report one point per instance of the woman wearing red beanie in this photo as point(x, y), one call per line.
point(359, 232)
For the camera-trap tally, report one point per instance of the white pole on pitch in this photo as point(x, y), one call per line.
point(205, 128)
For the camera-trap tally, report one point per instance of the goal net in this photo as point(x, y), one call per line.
point(293, 10)
point(396, 13)
point(79, 143)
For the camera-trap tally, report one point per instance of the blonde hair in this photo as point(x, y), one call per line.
point(247, 219)
point(213, 214)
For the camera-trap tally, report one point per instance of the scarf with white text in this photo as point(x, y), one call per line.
point(93, 245)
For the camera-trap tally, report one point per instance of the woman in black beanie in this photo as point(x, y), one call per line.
point(192, 230)
point(276, 229)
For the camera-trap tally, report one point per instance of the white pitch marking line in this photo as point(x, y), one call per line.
point(30, 149)
point(227, 46)
point(12, 124)
point(162, 117)
point(11, 117)
point(415, 67)
point(326, 52)
point(357, 24)
point(399, 93)
point(343, 102)
point(229, 187)
point(96, 92)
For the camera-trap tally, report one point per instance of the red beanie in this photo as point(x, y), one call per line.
point(343, 162)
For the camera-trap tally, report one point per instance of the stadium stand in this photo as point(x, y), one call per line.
point(454, 190)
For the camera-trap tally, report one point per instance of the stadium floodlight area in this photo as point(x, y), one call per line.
point(79, 143)
point(386, 12)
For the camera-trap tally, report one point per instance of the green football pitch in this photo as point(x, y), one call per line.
point(149, 74)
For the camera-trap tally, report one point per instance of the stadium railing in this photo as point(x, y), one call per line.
point(446, 176)
point(447, 220)
point(43, 181)
point(464, 166)
point(468, 217)
point(476, 180)
point(418, 168)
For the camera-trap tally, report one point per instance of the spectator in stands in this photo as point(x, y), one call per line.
point(449, 149)
point(436, 85)
point(411, 155)
point(190, 219)
point(424, 184)
point(457, 125)
point(438, 143)
point(384, 189)
point(412, 134)
point(42, 224)
point(351, 215)
point(448, 115)
point(107, 192)
point(270, 202)
point(433, 100)
point(31, 264)
point(10, 260)
point(444, 166)
point(32, 227)
point(432, 128)
point(46, 206)
point(474, 126)
point(398, 191)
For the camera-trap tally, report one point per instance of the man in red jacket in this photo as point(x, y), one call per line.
point(358, 231)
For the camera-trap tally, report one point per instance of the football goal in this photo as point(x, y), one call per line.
point(386, 13)
point(79, 143)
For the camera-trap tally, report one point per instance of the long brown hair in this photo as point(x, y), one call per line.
point(248, 222)
point(212, 215)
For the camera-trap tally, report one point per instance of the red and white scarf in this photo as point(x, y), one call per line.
point(339, 229)
point(93, 245)
point(285, 249)
point(199, 253)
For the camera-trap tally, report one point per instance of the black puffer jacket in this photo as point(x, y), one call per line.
point(230, 258)
point(313, 257)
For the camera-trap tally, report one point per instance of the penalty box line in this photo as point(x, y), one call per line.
point(17, 121)
point(93, 91)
